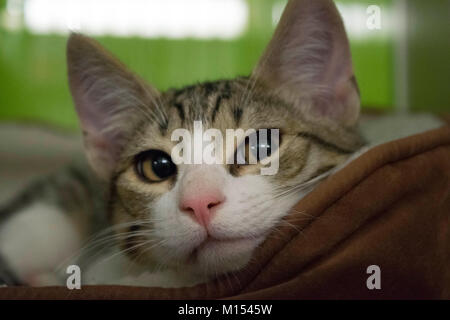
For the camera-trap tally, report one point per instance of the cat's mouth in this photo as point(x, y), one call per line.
point(212, 241)
point(212, 251)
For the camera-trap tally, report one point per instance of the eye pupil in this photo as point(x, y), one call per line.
point(155, 165)
point(257, 146)
point(162, 166)
point(263, 147)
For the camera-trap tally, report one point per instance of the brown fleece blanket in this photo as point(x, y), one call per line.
point(390, 208)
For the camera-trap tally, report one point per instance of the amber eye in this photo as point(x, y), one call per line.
point(154, 165)
point(256, 147)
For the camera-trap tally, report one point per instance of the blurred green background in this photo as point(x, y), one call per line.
point(410, 70)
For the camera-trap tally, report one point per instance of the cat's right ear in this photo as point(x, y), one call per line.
point(109, 100)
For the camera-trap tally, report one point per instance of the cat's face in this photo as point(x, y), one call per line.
point(209, 218)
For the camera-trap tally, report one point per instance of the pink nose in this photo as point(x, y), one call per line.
point(201, 207)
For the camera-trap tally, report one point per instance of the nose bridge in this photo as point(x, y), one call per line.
point(197, 179)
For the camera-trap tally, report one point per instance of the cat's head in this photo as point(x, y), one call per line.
point(210, 217)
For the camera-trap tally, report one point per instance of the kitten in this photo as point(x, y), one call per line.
point(183, 224)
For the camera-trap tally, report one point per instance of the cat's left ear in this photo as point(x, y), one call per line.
point(110, 101)
point(308, 62)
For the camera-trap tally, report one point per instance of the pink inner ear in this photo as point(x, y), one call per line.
point(101, 155)
point(100, 148)
point(309, 56)
point(105, 94)
point(105, 124)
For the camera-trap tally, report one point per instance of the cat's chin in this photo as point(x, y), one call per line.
point(214, 257)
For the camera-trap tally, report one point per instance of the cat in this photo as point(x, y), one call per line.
point(181, 224)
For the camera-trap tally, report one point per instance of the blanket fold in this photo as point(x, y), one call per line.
point(389, 208)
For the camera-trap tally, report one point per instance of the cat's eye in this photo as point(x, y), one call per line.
point(154, 165)
point(256, 147)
